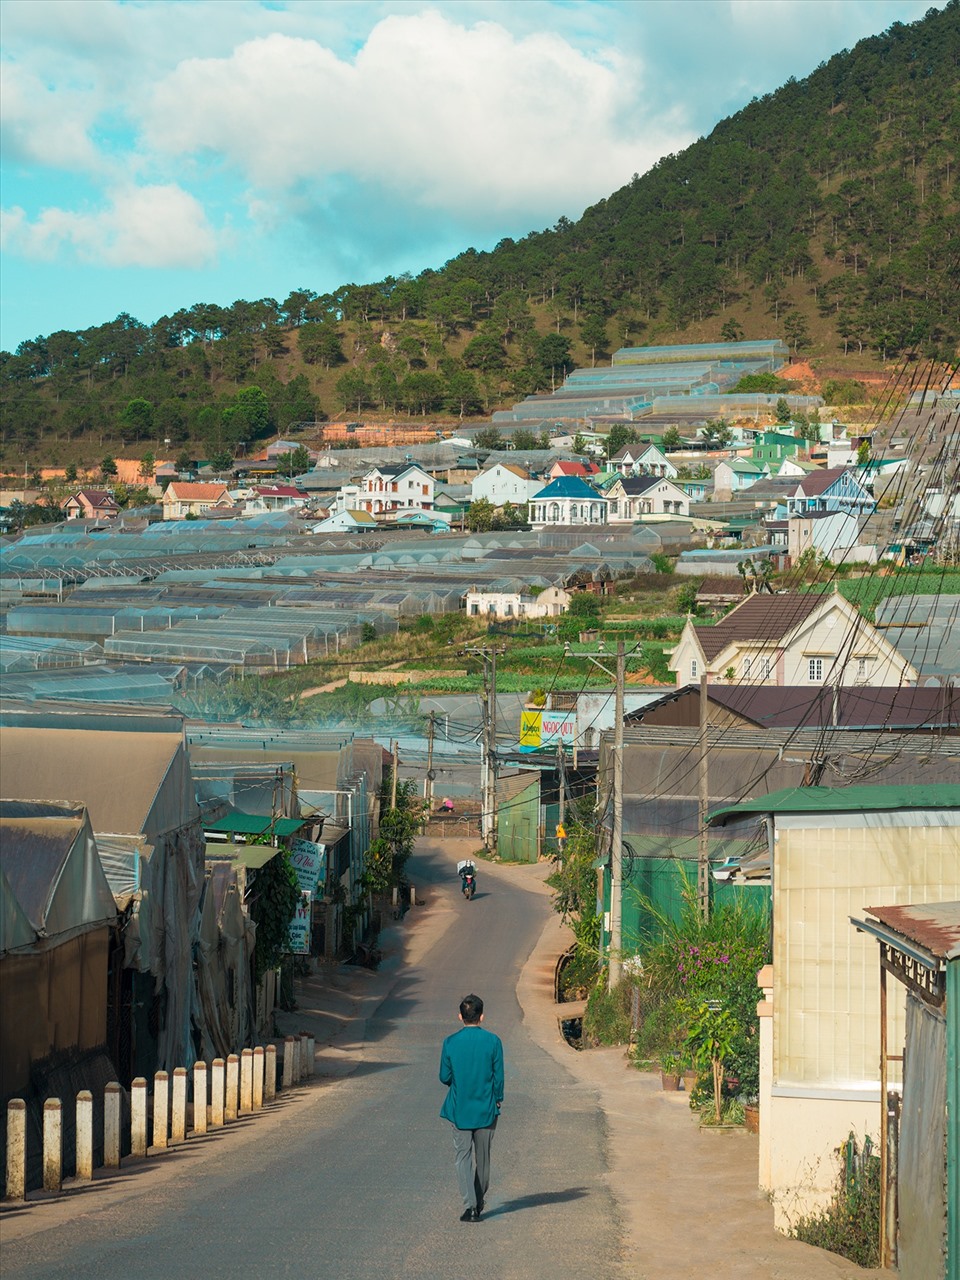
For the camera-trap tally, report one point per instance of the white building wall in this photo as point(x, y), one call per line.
point(825, 1073)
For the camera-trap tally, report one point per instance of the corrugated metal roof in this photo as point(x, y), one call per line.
point(934, 925)
point(846, 800)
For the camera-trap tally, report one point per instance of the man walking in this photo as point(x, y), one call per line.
point(471, 1063)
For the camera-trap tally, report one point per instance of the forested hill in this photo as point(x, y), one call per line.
point(825, 213)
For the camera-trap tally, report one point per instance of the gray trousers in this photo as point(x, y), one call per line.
point(473, 1163)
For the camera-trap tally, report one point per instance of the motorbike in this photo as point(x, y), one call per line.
point(468, 879)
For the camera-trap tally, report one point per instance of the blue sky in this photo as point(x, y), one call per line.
point(158, 153)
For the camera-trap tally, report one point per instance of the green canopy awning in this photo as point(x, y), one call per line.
point(254, 824)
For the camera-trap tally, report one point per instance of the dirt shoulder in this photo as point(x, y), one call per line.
point(689, 1200)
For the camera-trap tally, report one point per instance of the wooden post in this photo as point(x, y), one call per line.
point(84, 1168)
point(217, 1094)
point(161, 1109)
point(178, 1126)
point(258, 1077)
point(138, 1117)
point(52, 1145)
point(270, 1072)
point(231, 1105)
point(199, 1097)
point(111, 1125)
point(16, 1149)
point(246, 1081)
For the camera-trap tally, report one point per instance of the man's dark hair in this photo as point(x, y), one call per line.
point(471, 1010)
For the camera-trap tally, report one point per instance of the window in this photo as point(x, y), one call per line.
point(815, 670)
point(474, 608)
point(765, 668)
point(694, 674)
point(747, 668)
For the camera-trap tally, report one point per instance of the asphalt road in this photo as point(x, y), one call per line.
point(357, 1181)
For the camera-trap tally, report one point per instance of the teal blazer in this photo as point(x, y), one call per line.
point(471, 1063)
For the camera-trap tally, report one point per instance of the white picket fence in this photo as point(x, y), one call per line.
point(241, 1085)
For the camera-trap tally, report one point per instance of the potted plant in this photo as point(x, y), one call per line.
point(751, 1115)
point(669, 1072)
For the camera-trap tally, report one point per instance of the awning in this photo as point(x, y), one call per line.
point(251, 856)
point(254, 824)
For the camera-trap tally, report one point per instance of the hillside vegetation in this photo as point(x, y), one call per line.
point(825, 213)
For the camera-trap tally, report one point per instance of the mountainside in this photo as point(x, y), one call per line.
point(825, 213)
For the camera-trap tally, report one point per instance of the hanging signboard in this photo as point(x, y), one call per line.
point(298, 934)
point(547, 729)
point(309, 862)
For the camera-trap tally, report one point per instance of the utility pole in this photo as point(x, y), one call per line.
point(428, 781)
point(489, 770)
point(493, 767)
point(703, 843)
point(616, 847)
point(393, 780)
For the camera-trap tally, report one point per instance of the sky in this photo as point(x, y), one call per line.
point(158, 153)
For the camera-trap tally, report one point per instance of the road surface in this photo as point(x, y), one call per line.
point(355, 1179)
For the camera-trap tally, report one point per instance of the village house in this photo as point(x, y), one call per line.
point(771, 448)
point(399, 487)
point(275, 497)
point(184, 498)
point(567, 501)
point(796, 466)
point(634, 497)
point(581, 470)
point(834, 489)
point(91, 504)
point(345, 522)
point(505, 482)
point(640, 460)
point(733, 475)
point(790, 639)
point(516, 604)
point(834, 535)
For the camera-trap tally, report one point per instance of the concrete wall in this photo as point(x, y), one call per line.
point(824, 1068)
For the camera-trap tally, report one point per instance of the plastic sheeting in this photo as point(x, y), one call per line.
point(922, 1170)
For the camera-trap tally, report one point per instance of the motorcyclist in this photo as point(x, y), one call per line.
point(468, 878)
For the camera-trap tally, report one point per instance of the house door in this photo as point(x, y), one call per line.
point(922, 1167)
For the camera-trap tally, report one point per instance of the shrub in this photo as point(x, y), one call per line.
point(850, 1224)
point(607, 1017)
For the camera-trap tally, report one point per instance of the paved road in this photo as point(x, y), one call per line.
point(357, 1182)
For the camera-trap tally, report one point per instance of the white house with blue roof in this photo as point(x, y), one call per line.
point(566, 501)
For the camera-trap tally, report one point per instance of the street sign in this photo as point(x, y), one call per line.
point(298, 934)
point(540, 729)
point(308, 859)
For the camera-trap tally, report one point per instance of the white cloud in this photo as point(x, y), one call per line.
point(44, 126)
point(448, 117)
point(149, 226)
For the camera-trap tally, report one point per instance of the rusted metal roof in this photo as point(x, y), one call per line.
point(935, 926)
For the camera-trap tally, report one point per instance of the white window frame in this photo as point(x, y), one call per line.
point(815, 670)
point(694, 665)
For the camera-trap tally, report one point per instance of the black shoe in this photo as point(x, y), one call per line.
point(469, 1215)
point(479, 1206)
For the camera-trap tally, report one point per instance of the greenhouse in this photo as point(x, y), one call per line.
point(35, 653)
